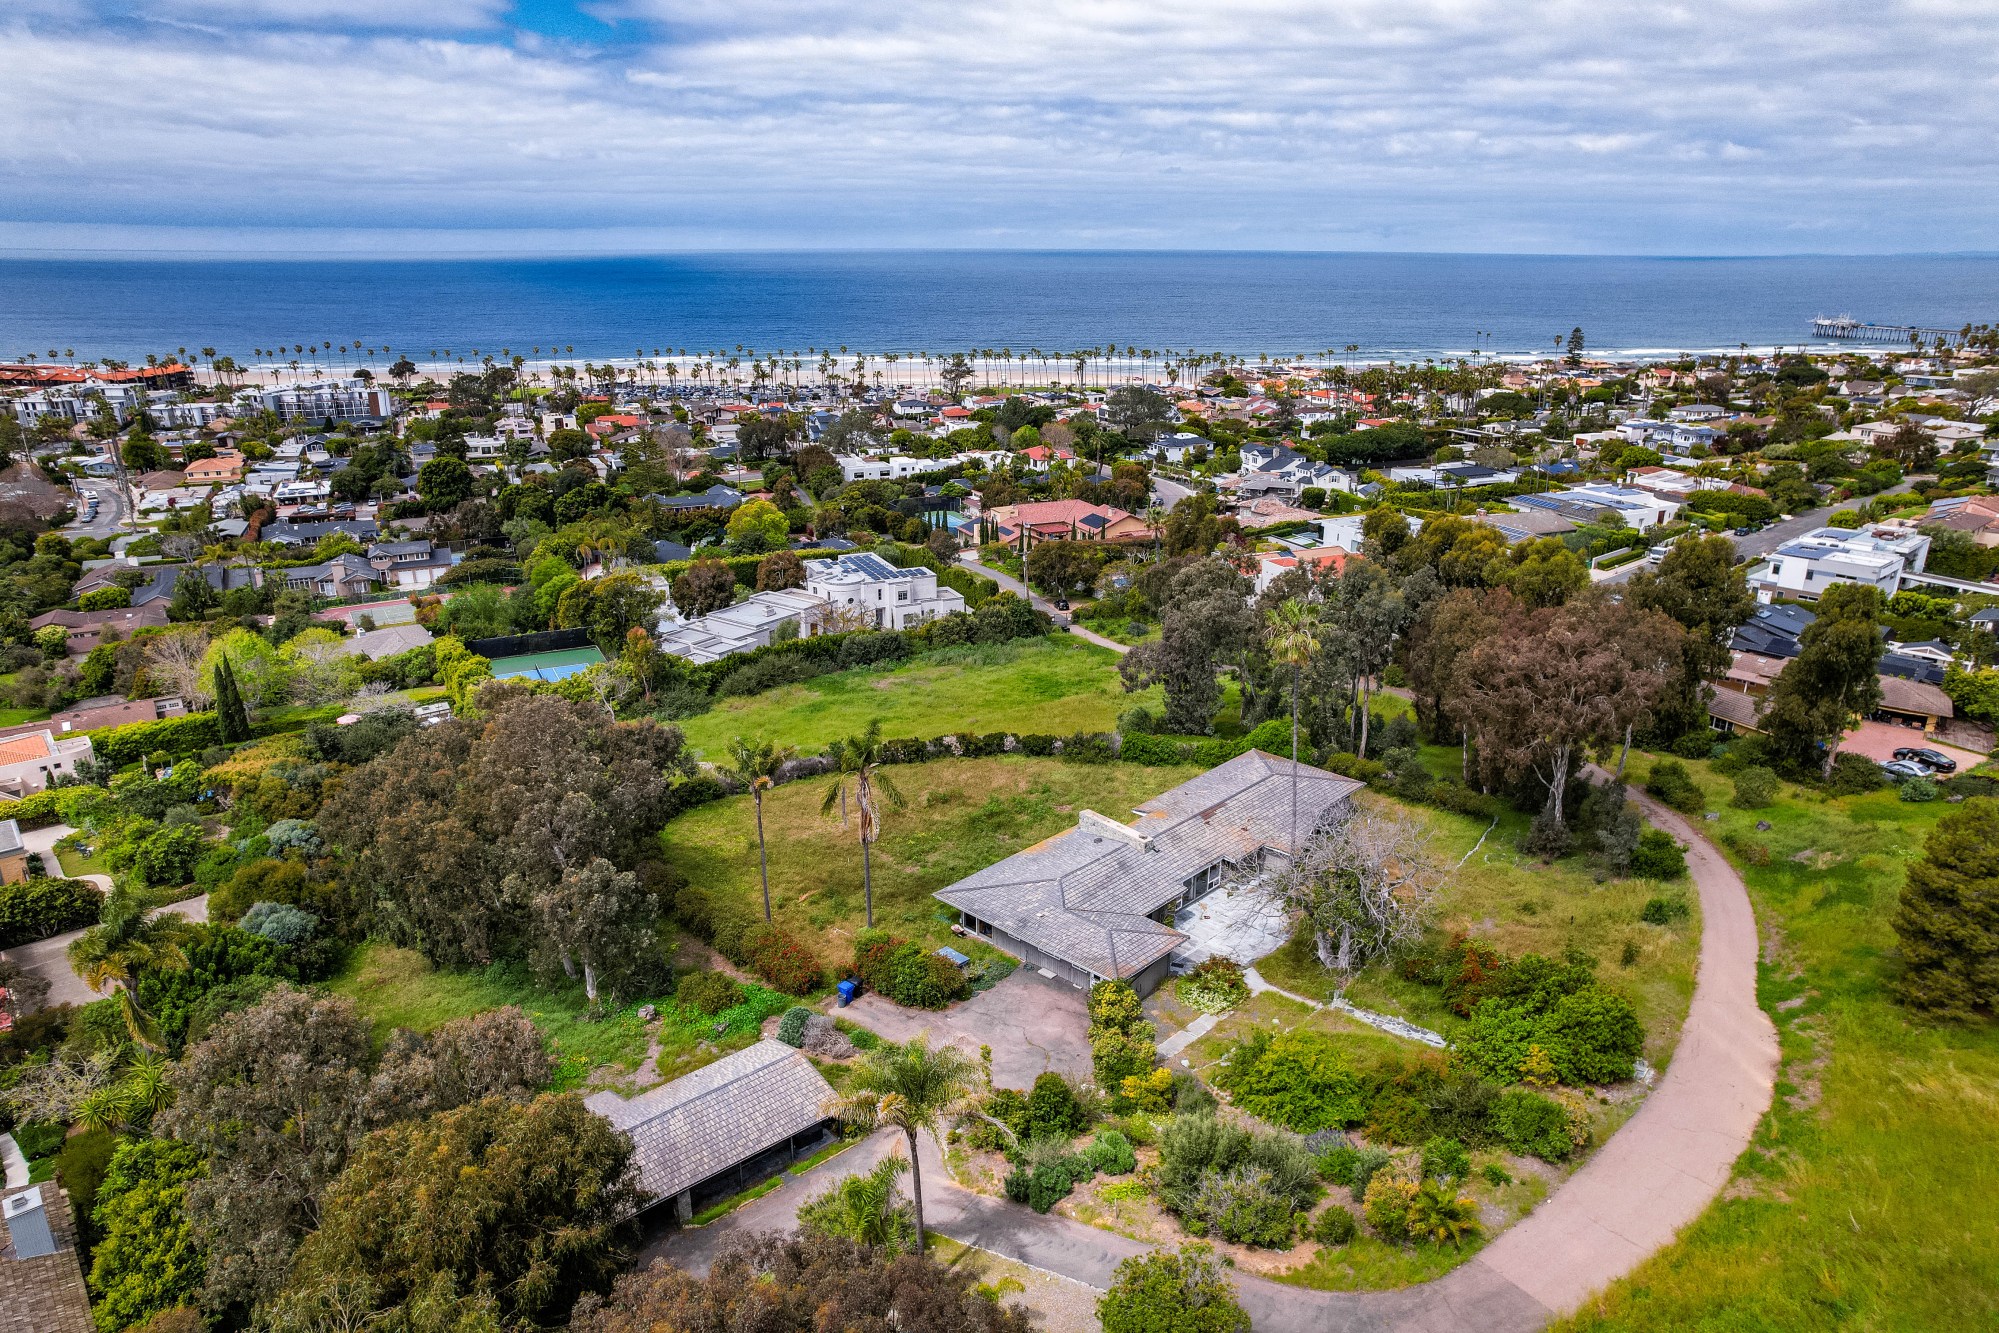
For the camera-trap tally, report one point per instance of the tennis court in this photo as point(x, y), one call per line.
point(547, 666)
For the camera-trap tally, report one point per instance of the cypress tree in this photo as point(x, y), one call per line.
point(229, 709)
point(1949, 917)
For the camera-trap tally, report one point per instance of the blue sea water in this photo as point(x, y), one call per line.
point(1387, 305)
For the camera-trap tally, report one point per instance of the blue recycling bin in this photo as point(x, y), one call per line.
point(848, 990)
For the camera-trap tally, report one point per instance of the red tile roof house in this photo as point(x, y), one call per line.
point(1067, 520)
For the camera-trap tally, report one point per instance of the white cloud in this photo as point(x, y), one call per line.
point(1448, 124)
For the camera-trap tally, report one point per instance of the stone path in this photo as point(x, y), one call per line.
point(1654, 1176)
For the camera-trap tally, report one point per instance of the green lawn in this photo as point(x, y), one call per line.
point(1056, 685)
point(397, 988)
point(1865, 1200)
point(14, 717)
point(961, 815)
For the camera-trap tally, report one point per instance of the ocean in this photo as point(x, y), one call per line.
point(1383, 305)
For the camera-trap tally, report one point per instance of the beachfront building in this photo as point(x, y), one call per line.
point(328, 400)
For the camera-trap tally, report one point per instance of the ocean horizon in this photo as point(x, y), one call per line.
point(1281, 304)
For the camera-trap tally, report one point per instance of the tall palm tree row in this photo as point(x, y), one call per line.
point(860, 760)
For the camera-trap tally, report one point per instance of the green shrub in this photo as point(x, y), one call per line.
point(1918, 789)
point(709, 992)
point(1591, 1034)
point(1855, 775)
point(35, 909)
point(147, 1259)
point(1335, 1226)
point(1214, 986)
point(1672, 784)
point(1532, 1125)
point(1336, 1165)
point(791, 1028)
point(1755, 787)
point(80, 1166)
point(1110, 1154)
point(1694, 745)
point(1445, 1159)
point(1242, 1205)
point(1658, 856)
point(1300, 1080)
point(1158, 1292)
point(1368, 1163)
point(40, 1138)
point(1052, 1109)
point(1664, 911)
point(38, 810)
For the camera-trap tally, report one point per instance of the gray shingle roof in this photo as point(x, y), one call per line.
point(725, 1113)
point(1087, 894)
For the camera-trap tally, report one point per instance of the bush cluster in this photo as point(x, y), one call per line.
point(906, 972)
point(1657, 856)
point(35, 909)
point(770, 951)
point(791, 1028)
point(1121, 1040)
point(1674, 786)
point(709, 992)
point(1214, 986)
point(1300, 1080)
point(1244, 1186)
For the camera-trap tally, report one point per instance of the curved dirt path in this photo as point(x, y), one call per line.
point(1655, 1175)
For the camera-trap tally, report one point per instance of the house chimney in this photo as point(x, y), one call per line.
point(1103, 826)
point(28, 1223)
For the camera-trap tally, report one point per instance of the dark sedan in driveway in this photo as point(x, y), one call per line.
point(1933, 760)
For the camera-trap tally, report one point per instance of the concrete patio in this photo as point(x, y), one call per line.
point(1032, 1024)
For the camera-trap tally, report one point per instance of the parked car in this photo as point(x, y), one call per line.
point(1901, 770)
point(1933, 760)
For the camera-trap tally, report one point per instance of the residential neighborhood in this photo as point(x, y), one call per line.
point(1297, 811)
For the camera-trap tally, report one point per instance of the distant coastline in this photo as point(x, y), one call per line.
point(1363, 307)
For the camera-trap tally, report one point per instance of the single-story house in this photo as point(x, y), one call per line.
point(41, 1266)
point(390, 641)
point(1099, 900)
point(342, 576)
point(750, 624)
point(714, 1132)
point(1066, 520)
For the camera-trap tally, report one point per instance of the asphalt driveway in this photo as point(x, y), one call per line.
point(1032, 1024)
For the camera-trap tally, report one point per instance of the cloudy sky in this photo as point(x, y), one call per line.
point(427, 127)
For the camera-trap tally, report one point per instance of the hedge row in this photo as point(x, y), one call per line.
point(189, 734)
point(39, 810)
point(35, 909)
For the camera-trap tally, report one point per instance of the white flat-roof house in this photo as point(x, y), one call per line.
point(748, 625)
point(897, 598)
point(892, 468)
point(1639, 509)
point(1806, 566)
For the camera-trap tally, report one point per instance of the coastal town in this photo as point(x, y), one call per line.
point(515, 841)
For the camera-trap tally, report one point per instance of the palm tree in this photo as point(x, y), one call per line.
point(1438, 1215)
point(128, 942)
point(909, 1087)
point(1293, 636)
point(754, 767)
point(861, 758)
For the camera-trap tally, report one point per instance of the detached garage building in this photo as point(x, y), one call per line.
point(1099, 901)
point(724, 1127)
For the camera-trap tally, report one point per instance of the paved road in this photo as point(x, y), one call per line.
point(1034, 599)
point(1169, 492)
point(1770, 538)
point(49, 958)
point(1655, 1175)
point(111, 508)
